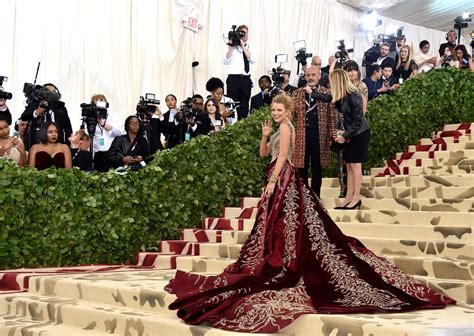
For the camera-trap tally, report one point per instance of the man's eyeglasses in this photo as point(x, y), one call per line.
point(134, 123)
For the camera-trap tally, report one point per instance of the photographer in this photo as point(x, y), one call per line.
point(286, 86)
point(262, 98)
point(451, 42)
point(238, 58)
point(385, 58)
point(80, 150)
point(40, 110)
point(107, 128)
point(202, 119)
point(449, 59)
point(131, 149)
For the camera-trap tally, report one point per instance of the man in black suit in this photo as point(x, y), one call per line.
point(451, 42)
point(40, 111)
point(262, 98)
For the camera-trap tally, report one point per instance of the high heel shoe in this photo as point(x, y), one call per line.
point(357, 205)
point(342, 206)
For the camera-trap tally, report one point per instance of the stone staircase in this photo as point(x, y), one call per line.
point(416, 212)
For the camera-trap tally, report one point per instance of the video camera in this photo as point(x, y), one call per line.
point(371, 55)
point(302, 56)
point(91, 112)
point(146, 107)
point(186, 109)
point(3, 93)
point(37, 93)
point(342, 54)
point(234, 37)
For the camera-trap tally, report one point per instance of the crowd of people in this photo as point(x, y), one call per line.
point(44, 125)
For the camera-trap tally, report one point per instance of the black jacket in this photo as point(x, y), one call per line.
point(354, 121)
point(155, 129)
point(260, 100)
point(61, 118)
point(122, 146)
point(176, 134)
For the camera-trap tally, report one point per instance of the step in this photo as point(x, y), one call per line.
point(418, 204)
point(434, 267)
point(215, 236)
point(459, 290)
point(458, 158)
point(215, 250)
point(384, 205)
point(17, 279)
point(404, 217)
point(422, 266)
point(469, 153)
point(466, 167)
point(369, 181)
point(447, 139)
point(227, 224)
point(107, 318)
point(441, 147)
point(139, 290)
point(455, 234)
point(454, 127)
point(21, 326)
point(439, 192)
point(452, 320)
point(420, 247)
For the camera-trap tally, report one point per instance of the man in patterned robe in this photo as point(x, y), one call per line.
point(315, 120)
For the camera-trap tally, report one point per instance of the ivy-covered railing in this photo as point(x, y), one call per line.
point(66, 217)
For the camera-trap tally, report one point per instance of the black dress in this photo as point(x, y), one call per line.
point(356, 129)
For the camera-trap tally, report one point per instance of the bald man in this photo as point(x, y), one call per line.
point(323, 77)
point(315, 120)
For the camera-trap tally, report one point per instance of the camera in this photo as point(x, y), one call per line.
point(3, 93)
point(301, 56)
point(461, 22)
point(186, 109)
point(36, 93)
point(91, 112)
point(342, 53)
point(371, 55)
point(146, 107)
point(234, 37)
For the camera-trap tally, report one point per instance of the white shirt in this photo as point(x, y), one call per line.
point(103, 138)
point(236, 61)
point(420, 57)
point(230, 120)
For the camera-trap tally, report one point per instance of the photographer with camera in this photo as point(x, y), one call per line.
point(451, 37)
point(385, 57)
point(152, 121)
point(131, 149)
point(263, 97)
point(238, 58)
point(227, 105)
point(286, 86)
point(44, 105)
point(107, 127)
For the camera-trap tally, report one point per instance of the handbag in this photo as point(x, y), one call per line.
point(335, 146)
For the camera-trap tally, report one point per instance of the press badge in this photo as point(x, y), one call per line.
point(101, 142)
point(187, 136)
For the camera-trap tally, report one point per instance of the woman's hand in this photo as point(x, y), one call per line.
point(18, 144)
point(269, 189)
point(266, 128)
point(337, 136)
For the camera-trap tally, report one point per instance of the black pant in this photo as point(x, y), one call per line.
point(312, 155)
point(239, 88)
point(101, 164)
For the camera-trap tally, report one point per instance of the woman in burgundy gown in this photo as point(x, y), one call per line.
point(295, 261)
point(49, 153)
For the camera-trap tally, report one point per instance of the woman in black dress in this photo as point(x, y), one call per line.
point(406, 66)
point(356, 133)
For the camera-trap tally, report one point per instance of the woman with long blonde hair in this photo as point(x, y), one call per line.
point(356, 133)
point(406, 66)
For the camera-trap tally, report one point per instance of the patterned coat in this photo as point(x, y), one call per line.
point(327, 117)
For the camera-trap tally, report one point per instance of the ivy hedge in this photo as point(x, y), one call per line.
point(66, 217)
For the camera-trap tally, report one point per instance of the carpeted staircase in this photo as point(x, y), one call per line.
point(417, 211)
